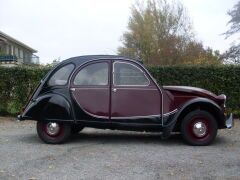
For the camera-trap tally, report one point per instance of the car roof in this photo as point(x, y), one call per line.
point(82, 59)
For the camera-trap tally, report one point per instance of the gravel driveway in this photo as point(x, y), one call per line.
point(99, 154)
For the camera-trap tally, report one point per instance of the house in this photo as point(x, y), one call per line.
point(13, 51)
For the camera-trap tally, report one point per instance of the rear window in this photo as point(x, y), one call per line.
point(60, 77)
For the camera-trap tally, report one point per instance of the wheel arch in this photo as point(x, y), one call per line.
point(49, 107)
point(201, 104)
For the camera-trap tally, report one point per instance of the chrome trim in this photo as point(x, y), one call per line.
point(86, 88)
point(148, 116)
point(171, 112)
point(139, 89)
point(53, 128)
point(137, 117)
point(199, 129)
point(229, 122)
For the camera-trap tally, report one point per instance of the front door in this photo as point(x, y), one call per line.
point(134, 96)
point(90, 89)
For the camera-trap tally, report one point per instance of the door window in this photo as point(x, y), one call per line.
point(60, 77)
point(126, 74)
point(93, 75)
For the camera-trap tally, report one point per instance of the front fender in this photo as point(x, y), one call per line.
point(48, 107)
point(199, 101)
point(204, 103)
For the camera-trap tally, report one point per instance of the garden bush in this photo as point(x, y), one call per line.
point(17, 83)
point(224, 79)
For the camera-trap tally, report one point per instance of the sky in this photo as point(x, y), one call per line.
point(60, 29)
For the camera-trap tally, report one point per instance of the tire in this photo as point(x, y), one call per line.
point(199, 128)
point(59, 136)
point(75, 129)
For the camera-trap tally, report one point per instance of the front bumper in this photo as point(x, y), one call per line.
point(229, 123)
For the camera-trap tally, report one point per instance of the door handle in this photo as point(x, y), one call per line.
point(114, 90)
point(72, 89)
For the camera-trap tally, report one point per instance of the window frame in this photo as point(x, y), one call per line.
point(132, 64)
point(57, 69)
point(89, 64)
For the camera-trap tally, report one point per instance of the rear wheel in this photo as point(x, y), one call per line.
point(52, 132)
point(199, 128)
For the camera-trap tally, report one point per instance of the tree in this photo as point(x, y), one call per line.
point(234, 21)
point(233, 54)
point(161, 33)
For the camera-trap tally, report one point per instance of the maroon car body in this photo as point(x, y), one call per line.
point(114, 92)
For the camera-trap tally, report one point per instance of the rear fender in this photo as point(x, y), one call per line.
point(49, 107)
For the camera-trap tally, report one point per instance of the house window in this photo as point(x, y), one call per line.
point(21, 53)
point(16, 51)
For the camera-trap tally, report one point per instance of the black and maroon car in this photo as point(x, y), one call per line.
point(114, 92)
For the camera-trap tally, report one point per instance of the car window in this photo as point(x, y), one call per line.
point(60, 77)
point(126, 74)
point(93, 74)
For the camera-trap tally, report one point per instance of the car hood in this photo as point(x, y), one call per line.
point(191, 90)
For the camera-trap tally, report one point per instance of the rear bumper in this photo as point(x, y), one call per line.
point(22, 118)
point(229, 123)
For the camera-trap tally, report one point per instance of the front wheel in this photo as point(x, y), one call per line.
point(199, 128)
point(52, 132)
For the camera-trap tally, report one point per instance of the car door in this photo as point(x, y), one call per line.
point(134, 96)
point(90, 89)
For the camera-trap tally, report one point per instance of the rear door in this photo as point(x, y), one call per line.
point(134, 96)
point(90, 88)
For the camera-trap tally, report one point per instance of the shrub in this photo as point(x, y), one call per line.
point(17, 83)
point(223, 79)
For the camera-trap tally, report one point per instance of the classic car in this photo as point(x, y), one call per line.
point(118, 93)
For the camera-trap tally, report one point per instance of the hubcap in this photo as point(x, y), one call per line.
point(52, 129)
point(199, 129)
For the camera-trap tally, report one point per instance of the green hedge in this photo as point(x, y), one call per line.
point(223, 79)
point(16, 84)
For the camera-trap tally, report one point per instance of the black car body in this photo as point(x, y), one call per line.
point(114, 92)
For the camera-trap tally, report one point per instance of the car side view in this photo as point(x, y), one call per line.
point(114, 92)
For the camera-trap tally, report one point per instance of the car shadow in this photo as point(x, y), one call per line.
point(121, 138)
point(125, 138)
point(135, 138)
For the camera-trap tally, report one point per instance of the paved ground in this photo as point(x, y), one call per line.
point(98, 154)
